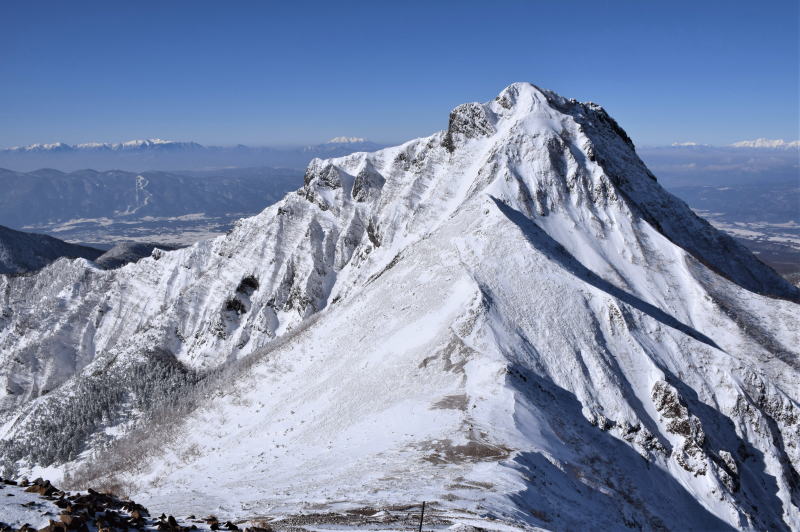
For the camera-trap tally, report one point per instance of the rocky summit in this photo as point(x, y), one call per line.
point(510, 319)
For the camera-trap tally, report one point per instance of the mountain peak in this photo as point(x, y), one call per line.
point(346, 140)
point(146, 142)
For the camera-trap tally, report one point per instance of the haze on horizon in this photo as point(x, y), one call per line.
point(276, 74)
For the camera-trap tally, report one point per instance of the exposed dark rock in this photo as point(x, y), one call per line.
point(467, 121)
point(691, 454)
point(373, 234)
point(324, 175)
point(72, 521)
point(248, 285)
point(98, 511)
point(366, 182)
point(235, 305)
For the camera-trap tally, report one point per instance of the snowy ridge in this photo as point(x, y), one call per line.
point(110, 146)
point(510, 317)
point(755, 143)
point(767, 143)
point(346, 140)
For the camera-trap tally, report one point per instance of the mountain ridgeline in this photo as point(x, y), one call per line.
point(25, 252)
point(510, 319)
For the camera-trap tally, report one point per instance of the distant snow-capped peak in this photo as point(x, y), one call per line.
point(686, 144)
point(755, 143)
point(147, 142)
point(767, 143)
point(346, 140)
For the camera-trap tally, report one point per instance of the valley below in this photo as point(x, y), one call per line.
point(104, 233)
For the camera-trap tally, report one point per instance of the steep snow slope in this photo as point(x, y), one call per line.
point(25, 252)
point(510, 316)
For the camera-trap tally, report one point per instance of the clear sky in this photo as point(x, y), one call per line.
point(230, 72)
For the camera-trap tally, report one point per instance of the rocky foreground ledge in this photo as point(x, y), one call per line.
point(39, 506)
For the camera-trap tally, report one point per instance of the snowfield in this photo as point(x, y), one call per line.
point(18, 508)
point(509, 319)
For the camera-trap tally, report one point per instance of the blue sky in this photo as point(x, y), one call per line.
point(302, 72)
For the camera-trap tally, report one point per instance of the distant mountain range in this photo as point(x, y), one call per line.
point(759, 143)
point(158, 154)
point(767, 143)
point(131, 145)
point(690, 164)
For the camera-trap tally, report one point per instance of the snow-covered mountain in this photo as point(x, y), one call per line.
point(347, 140)
point(26, 252)
point(758, 143)
point(509, 319)
point(146, 144)
point(767, 143)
